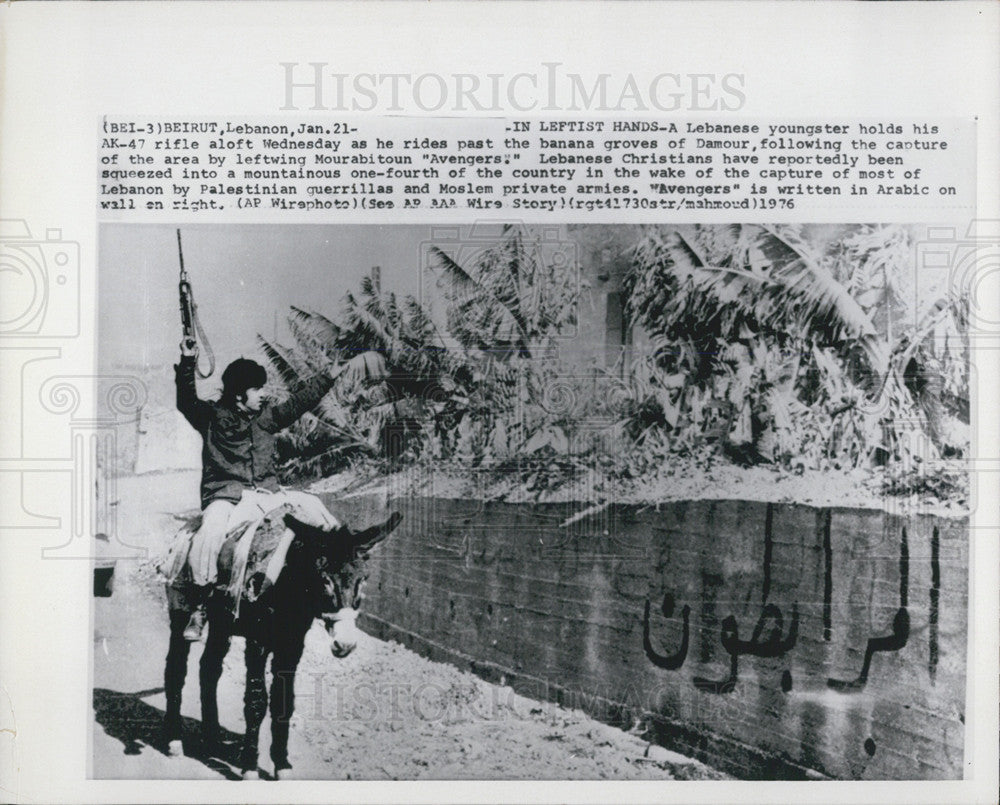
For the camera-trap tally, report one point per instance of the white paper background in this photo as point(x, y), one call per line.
point(66, 64)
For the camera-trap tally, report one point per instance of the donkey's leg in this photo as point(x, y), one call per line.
point(254, 702)
point(174, 673)
point(216, 648)
point(286, 660)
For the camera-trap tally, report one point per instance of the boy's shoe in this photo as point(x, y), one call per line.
point(196, 626)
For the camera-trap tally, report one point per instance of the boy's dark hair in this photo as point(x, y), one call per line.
point(240, 375)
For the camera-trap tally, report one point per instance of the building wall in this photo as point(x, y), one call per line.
point(728, 626)
point(151, 436)
point(604, 254)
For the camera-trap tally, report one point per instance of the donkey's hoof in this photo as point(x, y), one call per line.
point(283, 774)
point(251, 774)
point(175, 748)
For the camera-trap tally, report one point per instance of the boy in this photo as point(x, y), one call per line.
point(238, 453)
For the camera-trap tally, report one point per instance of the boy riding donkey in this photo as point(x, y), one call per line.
point(241, 501)
point(240, 498)
point(237, 456)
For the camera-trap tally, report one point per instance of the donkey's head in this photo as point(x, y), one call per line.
point(336, 569)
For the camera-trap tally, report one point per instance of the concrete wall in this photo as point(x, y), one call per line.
point(151, 435)
point(730, 626)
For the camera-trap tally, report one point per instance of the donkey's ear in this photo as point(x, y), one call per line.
point(308, 533)
point(364, 541)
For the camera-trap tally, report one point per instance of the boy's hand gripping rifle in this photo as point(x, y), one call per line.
point(190, 323)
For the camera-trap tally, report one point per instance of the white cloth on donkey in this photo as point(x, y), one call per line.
point(305, 507)
point(246, 517)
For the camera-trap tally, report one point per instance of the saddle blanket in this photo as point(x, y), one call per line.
point(257, 541)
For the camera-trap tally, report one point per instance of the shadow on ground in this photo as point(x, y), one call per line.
point(127, 718)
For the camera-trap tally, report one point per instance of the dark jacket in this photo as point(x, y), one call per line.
point(238, 450)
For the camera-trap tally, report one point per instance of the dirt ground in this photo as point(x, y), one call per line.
point(381, 713)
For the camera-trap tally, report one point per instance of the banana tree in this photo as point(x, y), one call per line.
point(393, 373)
point(797, 324)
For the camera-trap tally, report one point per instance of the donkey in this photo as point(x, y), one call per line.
point(323, 576)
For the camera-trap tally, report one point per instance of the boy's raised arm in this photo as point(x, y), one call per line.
point(303, 398)
point(195, 410)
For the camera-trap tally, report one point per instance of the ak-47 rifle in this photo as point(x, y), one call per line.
point(190, 323)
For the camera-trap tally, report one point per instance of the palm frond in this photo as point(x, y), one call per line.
point(281, 362)
point(419, 322)
point(460, 279)
point(315, 327)
point(369, 329)
point(470, 292)
point(363, 368)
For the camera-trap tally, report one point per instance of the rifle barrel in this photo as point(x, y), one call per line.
point(180, 251)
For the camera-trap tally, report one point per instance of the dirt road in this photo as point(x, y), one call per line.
point(381, 713)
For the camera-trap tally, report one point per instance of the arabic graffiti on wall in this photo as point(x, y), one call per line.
point(769, 638)
point(751, 635)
